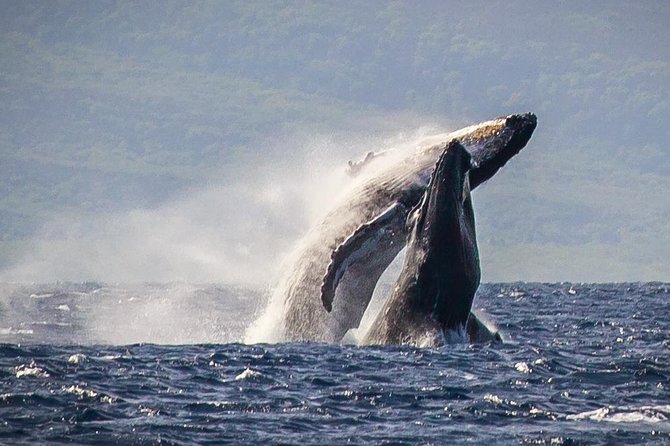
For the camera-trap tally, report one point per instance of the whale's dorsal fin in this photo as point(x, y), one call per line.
point(383, 229)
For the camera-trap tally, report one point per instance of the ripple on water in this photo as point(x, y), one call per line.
point(563, 378)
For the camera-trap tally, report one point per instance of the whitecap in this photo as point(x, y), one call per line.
point(41, 296)
point(14, 331)
point(625, 414)
point(80, 391)
point(247, 373)
point(522, 367)
point(30, 370)
point(77, 358)
point(491, 398)
point(148, 411)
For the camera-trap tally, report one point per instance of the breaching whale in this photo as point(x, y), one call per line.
point(431, 300)
point(342, 258)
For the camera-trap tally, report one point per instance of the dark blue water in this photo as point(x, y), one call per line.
point(582, 364)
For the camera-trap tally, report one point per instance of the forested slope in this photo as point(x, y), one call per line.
point(110, 106)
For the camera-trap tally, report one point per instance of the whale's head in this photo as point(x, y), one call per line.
point(493, 143)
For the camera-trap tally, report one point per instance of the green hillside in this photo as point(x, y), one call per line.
point(107, 107)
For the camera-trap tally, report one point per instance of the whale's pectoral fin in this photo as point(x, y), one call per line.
point(412, 216)
point(383, 235)
point(355, 167)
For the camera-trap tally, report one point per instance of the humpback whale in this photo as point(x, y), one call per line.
point(431, 300)
point(342, 258)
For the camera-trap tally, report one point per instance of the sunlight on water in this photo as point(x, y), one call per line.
point(587, 370)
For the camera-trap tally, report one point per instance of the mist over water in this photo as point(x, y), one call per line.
point(231, 230)
point(241, 229)
point(221, 232)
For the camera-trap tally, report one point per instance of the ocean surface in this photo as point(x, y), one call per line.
point(93, 363)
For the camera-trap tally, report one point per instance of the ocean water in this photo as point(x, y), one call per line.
point(163, 364)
